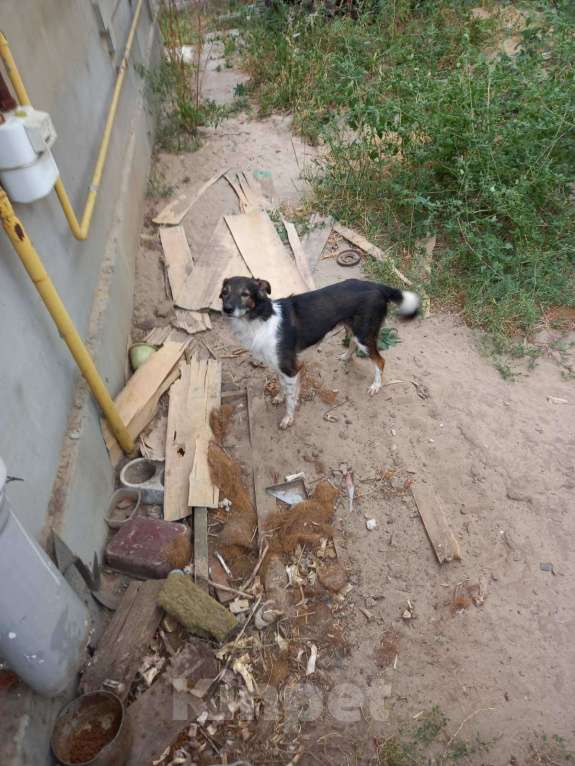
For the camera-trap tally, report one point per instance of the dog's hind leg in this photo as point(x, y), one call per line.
point(366, 330)
point(291, 386)
point(379, 363)
point(351, 345)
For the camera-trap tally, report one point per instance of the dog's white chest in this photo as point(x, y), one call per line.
point(260, 337)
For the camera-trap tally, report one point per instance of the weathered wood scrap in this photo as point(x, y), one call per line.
point(201, 565)
point(158, 335)
point(126, 638)
point(301, 259)
point(159, 714)
point(178, 208)
point(315, 240)
point(192, 321)
point(438, 530)
point(220, 259)
point(137, 402)
point(192, 398)
point(264, 253)
point(178, 257)
point(364, 244)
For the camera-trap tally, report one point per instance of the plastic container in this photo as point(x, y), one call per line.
point(43, 624)
point(146, 476)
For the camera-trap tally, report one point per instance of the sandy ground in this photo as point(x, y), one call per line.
point(499, 456)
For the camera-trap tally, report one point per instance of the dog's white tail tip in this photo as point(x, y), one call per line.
point(409, 305)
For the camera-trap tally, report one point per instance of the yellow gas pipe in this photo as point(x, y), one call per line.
point(79, 230)
point(31, 260)
point(37, 273)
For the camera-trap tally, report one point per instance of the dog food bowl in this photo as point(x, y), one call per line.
point(124, 505)
point(146, 476)
point(93, 729)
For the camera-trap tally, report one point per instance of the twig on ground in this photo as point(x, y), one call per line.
point(468, 718)
point(229, 589)
point(251, 578)
point(326, 415)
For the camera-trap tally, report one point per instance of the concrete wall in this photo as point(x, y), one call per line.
point(49, 426)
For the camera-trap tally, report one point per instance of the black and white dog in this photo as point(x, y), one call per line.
point(274, 331)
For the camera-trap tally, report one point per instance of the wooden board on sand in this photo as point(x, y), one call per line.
point(191, 400)
point(264, 253)
point(438, 530)
point(137, 402)
point(220, 259)
point(178, 208)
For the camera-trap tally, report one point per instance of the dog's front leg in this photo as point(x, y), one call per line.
point(291, 387)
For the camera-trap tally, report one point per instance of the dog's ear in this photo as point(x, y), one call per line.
point(224, 283)
point(264, 288)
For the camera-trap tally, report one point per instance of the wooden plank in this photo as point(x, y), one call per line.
point(264, 503)
point(175, 212)
point(201, 490)
point(299, 254)
point(126, 639)
point(201, 560)
point(192, 398)
point(263, 251)
point(152, 441)
point(159, 714)
point(232, 179)
point(315, 240)
point(438, 530)
point(179, 450)
point(364, 244)
point(158, 335)
point(220, 259)
point(192, 321)
point(137, 401)
point(179, 259)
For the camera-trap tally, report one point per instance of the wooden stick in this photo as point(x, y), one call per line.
point(229, 589)
point(364, 244)
point(257, 567)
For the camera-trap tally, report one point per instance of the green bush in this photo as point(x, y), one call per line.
point(432, 128)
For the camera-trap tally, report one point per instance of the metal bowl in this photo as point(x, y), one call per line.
point(93, 729)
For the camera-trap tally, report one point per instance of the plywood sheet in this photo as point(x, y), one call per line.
point(176, 210)
point(220, 259)
point(264, 253)
point(191, 400)
point(178, 257)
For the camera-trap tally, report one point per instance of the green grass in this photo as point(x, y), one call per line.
point(158, 187)
point(428, 132)
point(429, 743)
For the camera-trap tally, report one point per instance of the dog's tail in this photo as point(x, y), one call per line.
point(408, 303)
